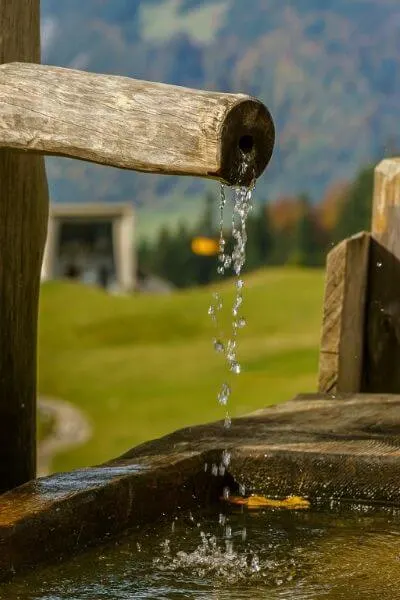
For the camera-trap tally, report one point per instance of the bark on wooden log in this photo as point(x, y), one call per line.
point(342, 341)
point(23, 219)
point(133, 124)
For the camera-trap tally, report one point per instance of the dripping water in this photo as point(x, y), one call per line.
point(235, 260)
point(228, 346)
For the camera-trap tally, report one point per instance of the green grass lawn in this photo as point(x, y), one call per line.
point(143, 366)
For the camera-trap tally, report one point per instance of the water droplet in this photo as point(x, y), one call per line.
point(221, 470)
point(214, 470)
point(220, 270)
point(205, 467)
point(218, 346)
point(255, 564)
point(226, 492)
point(165, 546)
point(226, 458)
point(242, 489)
point(224, 394)
point(379, 264)
point(241, 323)
point(235, 367)
point(229, 547)
point(244, 534)
point(211, 310)
point(238, 301)
point(227, 422)
point(231, 350)
point(222, 519)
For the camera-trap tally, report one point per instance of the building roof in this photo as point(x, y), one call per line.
point(91, 209)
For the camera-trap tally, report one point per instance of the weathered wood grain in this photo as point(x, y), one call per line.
point(386, 205)
point(342, 339)
point(382, 350)
point(133, 124)
point(23, 218)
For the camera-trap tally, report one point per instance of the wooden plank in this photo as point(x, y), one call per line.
point(23, 219)
point(382, 352)
point(342, 339)
point(133, 124)
point(386, 205)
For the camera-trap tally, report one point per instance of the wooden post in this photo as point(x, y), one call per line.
point(382, 349)
point(342, 342)
point(132, 124)
point(23, 218)
point(360, 346)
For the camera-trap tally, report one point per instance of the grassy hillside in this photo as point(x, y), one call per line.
point(143, 366)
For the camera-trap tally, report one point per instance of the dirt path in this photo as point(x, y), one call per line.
point(70, 428)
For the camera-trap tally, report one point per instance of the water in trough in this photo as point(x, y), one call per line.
point(336, 552)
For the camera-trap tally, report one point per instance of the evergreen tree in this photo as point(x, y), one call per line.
point(259, 239)
point(355, 215)
point(206, 225)
point(305, 251)
point(145, 257)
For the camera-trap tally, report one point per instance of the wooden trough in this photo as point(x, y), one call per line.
point(343, 442)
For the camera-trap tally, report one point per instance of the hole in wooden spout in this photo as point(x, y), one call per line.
point(246, 143)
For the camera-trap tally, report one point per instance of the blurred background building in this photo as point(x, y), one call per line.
point(92, 243)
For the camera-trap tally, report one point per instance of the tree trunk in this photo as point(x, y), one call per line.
point(23, 221)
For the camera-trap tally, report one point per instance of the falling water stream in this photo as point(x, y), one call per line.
point(227, 345)
point(242, 196)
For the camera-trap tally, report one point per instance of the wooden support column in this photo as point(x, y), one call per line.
point(360, 345)
point(23, 220)
point(381, 372)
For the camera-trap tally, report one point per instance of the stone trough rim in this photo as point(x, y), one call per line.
point(277, 451)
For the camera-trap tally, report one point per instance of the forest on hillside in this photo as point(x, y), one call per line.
point(291, 231)
point(328, 71)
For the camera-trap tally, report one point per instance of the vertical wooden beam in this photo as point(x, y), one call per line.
point(23, 219)
point(382, 351)
point(386, 205)
point(342, 340)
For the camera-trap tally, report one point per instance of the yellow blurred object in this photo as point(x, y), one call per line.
point(291, 502)
point(204, 246)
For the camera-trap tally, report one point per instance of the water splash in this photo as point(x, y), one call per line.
point(212, 558)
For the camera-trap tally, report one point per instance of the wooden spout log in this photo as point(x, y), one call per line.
point(23, 221)
point(132, 124)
